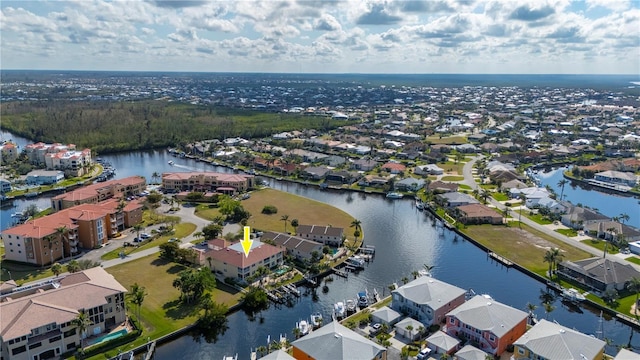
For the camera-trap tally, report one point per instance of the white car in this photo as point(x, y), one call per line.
point(145, 236)
point(423, 354)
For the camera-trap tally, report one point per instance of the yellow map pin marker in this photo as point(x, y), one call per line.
point(246, 242)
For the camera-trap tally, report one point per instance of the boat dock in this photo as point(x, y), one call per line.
point(341, 273)
point(504, 261)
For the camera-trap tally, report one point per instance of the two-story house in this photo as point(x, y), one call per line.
point(490, 325)
point(427, 299)
point(327, 235)
point(549, 340)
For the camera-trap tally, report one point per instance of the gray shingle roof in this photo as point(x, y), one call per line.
point(429, 291)
point(487, 314)
point(469, 352)
point(336, 342)
point(554, 341)
point(278, 355)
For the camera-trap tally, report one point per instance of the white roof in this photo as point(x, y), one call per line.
point(429, 291)
point(489, 315)
point(554, 341)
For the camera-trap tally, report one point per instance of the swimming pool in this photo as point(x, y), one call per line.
point(111, 336)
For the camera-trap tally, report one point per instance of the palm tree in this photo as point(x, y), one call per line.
point(137, 228)
point(623, 218)
point(415, 274)
point(557, 257)
point(82, 323)
point(548, 258)
point(49, 239)
point(523, 199)
point(561, 184)
point(155, 176)
point(137, 296)
point(548, 308)
point(484, 195)
point(531, 308)
point(295, 223)
point(634, 286)
point(285, 218)
point(62, 232)
point(56, 269)
point(73, 266)
point(357, 224)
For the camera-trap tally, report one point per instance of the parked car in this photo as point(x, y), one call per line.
point(173, 240)
point(423, 354)
point(375, 328)
point(145, 236)
point(137, 239)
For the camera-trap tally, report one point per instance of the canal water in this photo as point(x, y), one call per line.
point(405, 240)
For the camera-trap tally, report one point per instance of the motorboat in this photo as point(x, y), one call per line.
point(316, 320)
point(355, 261)
point(351, 306)
point(303, 327)
point(419, 205)
point(339, 309)
point(363, 299)
point(170, 162)
point(572, 295)
point(394, 195)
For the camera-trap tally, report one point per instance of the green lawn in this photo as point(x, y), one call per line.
point(452, 178)
point(525, 246)
point(451, 168)
point(161, 312)
point(599, 244)
point(22, 273)
point(452, 140)
point(500, 196)
point(464, 187)
point(538, 218)
point(307, 211)
point(633, 259)
point(567, 232)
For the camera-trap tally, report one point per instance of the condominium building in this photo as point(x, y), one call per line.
point(207, 181)
point(37, 319)
point(50, 238)
point(97, 192)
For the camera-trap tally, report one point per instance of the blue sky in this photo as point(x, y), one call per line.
point(342, 36)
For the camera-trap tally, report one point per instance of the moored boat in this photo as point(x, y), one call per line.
point(394, 195)
point(303, 327)
point(316, 320)
point(351, 306)
point(170, 162)
point(572, 295)
point(339, 310)
point(355, 261)
point(363, 299)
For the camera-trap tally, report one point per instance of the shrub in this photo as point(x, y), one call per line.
point(269, 210)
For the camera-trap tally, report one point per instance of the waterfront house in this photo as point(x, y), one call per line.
point(442, 343)
point(617, 177)
point(5, 186)
point(315, 172)
point(598, 274)
point(625, 354)
point(8, 152)
point(470, 352)
point(37, 319)
point(337, 342)
point(327, 235)
point(478, 214)
point(44, 177)
point(204, 181)
point(385, 315)
point(92, 194)
point(488, 323)
point(578, 217)
point(455, 199)
point(342, 177)
point(613, 231)
point(409, 184)
point(442, 187)
point(278, 355)
point(550, 340)
point(227, 260)
point(301, 249)
point(373, 181)
point(427, 299)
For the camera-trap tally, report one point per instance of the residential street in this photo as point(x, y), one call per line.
point(547, 229)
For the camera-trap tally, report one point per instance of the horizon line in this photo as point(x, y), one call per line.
point(324, 73)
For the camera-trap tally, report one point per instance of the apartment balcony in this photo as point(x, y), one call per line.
point(73, 243)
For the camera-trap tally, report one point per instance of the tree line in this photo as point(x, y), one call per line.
point(108, 127)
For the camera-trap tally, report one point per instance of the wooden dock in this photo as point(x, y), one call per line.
point(504, 261)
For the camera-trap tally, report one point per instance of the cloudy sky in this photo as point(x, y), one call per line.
point(317, 36)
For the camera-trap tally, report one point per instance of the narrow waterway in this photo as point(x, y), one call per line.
point(405, 240)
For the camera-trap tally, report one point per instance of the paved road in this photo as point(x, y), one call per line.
point(469, 180)
point(187, 215)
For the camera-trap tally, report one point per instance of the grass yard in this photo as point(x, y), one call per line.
point(22, 273)
point(567, 232)
point(207, 211)
point(451, 168)
point(452, 140)
point(599, 244)
point(539, 219)
point(500, 196)
point(161, 311)
point(307, 211)
point(464, 187)
point(525, 246)
point(633, 259)
point(452, 178)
